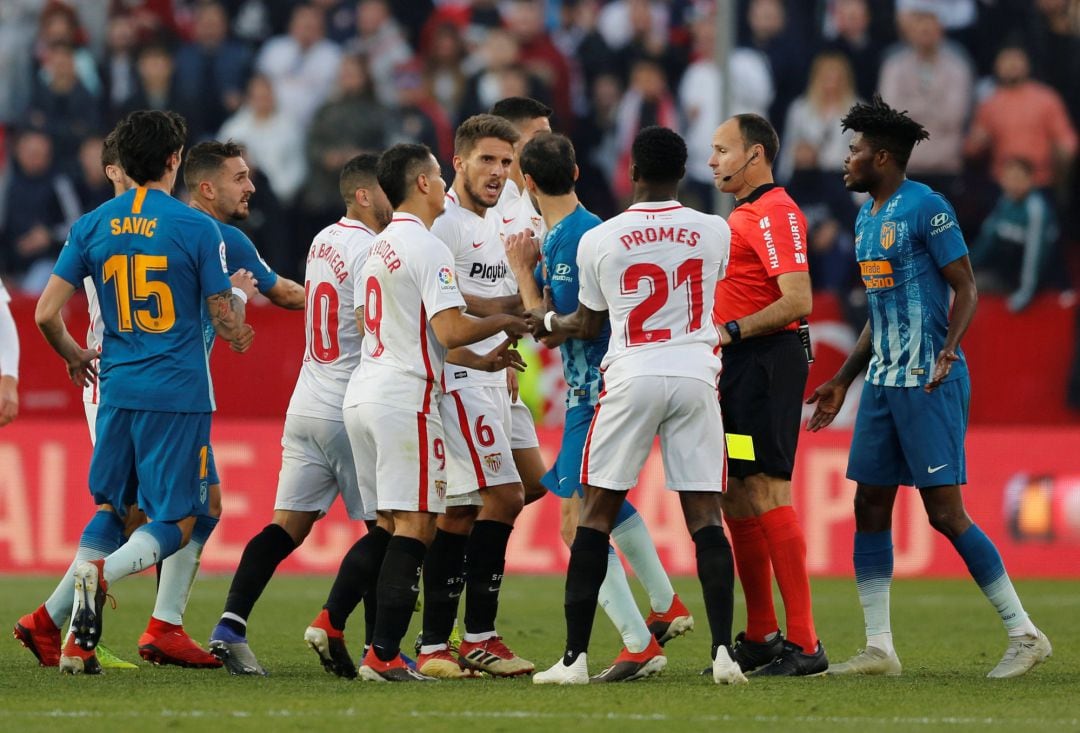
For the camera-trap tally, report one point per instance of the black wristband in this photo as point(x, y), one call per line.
point(732, 327)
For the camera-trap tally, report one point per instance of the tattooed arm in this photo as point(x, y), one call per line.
point(227, 314)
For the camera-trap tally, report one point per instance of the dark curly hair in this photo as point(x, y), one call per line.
point(885, 128)
point(659, 154)
point(145, 140)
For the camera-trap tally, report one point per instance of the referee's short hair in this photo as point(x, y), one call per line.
point(399, 167)
point(549, 159)
point(756, 130)
point(659, 154)
point(145, 140)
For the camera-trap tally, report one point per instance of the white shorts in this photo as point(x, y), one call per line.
point(522, 427)
point(400, 457)
point(477, 440)
point(684, 412)
point(317, 465)
point(91, 420)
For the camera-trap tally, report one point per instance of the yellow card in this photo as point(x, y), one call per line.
point(740, 447)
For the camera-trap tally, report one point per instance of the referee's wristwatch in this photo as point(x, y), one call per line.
point(732, 327)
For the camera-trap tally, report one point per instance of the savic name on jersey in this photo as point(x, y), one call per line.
point(654, 268)
point(335, 259)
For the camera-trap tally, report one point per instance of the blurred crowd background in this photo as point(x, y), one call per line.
point(306, 85)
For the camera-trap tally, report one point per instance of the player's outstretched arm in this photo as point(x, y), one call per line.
point(454, 329)
point(227, 314)
point(499, 358)
point(962, 280)
point(80, 361)
point(584, 323)
point(482, 307)
point(287, 293)
point(829, 397)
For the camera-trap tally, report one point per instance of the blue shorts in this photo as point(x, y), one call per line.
point(158, 460)
point(564, 478)
point(904, 436)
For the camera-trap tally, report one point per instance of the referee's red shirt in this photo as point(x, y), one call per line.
point(768, 238)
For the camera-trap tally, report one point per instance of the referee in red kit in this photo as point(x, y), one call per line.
point(759, 305)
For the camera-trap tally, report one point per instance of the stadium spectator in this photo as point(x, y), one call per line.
point(18, 21)
point(273, 141)
point(581, 42)
point(1017, 238)
point(119, 78)
point(814, 118)
point(594, 141)
point(650, 40)
point(92, 187)
point(851, 22)
point(352, 122)
point(700, 93)
point(646, 103)
point(41, 205)
point(1054, 44)
point(381, 40)
point(212, 68)
point(616, 23)
point(302, 65)
point(9, 361)
point(157, 84)
point(59, 26)
point(499, 51)
point(443, 63)
point(759, 304)
point(419, 117)
point(525, 20)
point(773, 35)
point(62, 106)
point(933, 80)
point(1023, 118)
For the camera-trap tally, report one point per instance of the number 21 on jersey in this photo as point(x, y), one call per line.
point(647, 274)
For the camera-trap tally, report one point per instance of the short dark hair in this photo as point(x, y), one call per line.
point(478, 127)
point(398, 167)
point(756, 130)
point(659, 154)
point(360, 172)
point(206, 159)
point(885, 128)
point(109, 153)
point(549, 159)
point(145, 140)
point(520, 109)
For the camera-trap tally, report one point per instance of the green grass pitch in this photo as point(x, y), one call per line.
point(947, 636)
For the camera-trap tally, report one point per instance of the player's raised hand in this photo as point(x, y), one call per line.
point(504, 357)
point(828, 399)
point(522, 250)
point(942, 367)
point(243, 340)
point(535, 322)
point(515, 327)
point(244, 280)
point(81, 367)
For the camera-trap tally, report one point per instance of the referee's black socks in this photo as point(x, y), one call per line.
point(399, 587)
point(584, 576)
point(357, 575)
point(716, 571)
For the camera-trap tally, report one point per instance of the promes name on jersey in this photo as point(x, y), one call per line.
point(658, 234)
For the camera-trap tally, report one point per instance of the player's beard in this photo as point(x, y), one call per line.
point(477, 197)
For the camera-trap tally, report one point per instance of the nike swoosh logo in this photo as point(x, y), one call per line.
point(453, 595)
point(477, 245)
point(935, 469)
point(508, 221)
point(415, 588)
point(494, 589)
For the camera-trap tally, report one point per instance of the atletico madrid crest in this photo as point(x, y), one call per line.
point(493, 461)
point(888, 234)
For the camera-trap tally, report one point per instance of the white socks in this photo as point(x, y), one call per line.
point(618, 603)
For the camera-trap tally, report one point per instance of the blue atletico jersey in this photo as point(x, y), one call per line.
point(901, 250)
point(559, 271)
point(240, 254)
point(154, 261)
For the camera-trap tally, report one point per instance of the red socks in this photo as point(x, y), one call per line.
point(786, 545)
point(754, 563)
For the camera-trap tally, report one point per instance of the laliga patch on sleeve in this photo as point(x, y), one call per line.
point(740, 447)
point(221, 254)
point(446, 280)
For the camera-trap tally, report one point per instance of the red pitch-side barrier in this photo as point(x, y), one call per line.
point(1024, 492)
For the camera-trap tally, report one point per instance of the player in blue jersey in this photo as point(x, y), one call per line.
point(913, 410)
point(154, 263)
point(548, 163)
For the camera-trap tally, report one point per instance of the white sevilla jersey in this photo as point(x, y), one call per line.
point(476, 244)
point(95, 332)
point(333, 340)
point(654, 268)
point(408, 278)
point(517, 212)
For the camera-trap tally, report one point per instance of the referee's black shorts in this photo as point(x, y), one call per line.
point(761, 391)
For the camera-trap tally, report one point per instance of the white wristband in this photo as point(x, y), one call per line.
point(547, 320)
point(241, 295)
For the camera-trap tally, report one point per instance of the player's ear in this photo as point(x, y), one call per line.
point(633, 172)
point(361, 197)
point(423, 183)
point(576, 173)
point(459, 163)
